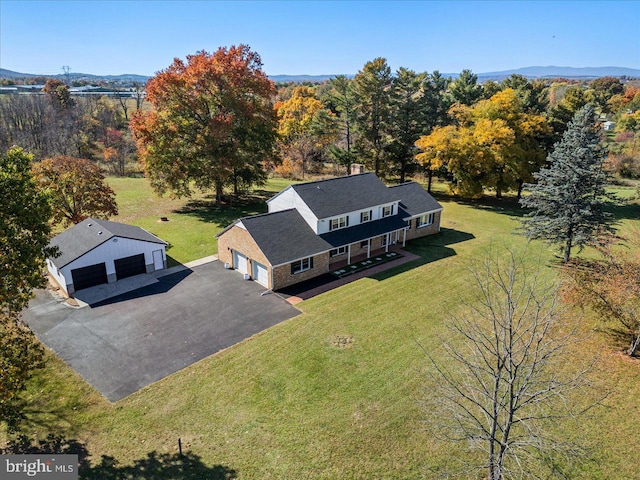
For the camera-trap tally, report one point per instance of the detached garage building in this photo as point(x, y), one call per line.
point(94, 252)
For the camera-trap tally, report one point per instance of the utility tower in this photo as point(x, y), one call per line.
point(66, 69)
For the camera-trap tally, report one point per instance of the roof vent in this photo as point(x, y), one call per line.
point(89, 224)
point(100, 233)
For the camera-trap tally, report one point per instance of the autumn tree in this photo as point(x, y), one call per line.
point(117, 149)
point(501, 384)
point(603, 89)
point(562, 112)
point(213, 123)
point(372, 87)
point(306, 128)
point(610, 285)
point(24, 239)
point(567, 202)
point(77, 189)
point(58, 94)
point(495, 145)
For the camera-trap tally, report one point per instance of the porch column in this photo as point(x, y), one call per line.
point(348, 254)
point(404, 237)
point(369, 248)
point(386, 247)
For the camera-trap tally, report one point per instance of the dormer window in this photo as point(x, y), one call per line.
point(387, 211)
point(366, 216)
point(340, 222)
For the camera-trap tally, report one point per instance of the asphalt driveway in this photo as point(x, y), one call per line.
point(127, 342)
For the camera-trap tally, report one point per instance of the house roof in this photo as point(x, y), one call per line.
point(283, 236)
point(415, 200)
point(336, 196)
point(91, 233)
point(364, 231)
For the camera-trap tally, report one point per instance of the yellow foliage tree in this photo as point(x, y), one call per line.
point(495, 145)
point(305, 127)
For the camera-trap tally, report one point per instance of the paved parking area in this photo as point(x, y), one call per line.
point(127, 342)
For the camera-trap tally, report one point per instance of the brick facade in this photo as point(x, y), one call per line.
point(414, 232)
point(238, 239)
point(282, 276)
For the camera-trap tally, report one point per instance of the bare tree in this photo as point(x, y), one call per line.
point(503, 380)
point(138, 94)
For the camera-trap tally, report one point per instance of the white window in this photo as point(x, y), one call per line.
point(301, 265)
point(365, 216)
point(338, 251)
point(387, 211)
point(425, 220)
point(339, 222)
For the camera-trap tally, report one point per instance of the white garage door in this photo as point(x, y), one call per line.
point(240, 262)
point(260, 274)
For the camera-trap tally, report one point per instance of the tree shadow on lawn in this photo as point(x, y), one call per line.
point(429, 249)
point(624, 210)
point(230, 210)
point(154, 466)
point(507, 205)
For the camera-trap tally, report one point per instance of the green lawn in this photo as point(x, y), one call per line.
point(192, 223)
point(294, 403)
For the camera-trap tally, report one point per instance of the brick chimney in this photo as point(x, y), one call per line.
point(357, 168)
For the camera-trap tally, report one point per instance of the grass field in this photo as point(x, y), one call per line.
point(290, 403)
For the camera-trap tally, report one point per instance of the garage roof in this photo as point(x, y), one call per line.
point(90, 233)
point(284, 236)
point(415, 200)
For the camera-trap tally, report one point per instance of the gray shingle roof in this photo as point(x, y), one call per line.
point(90, 233)
point(335, 196)
point(415, 200)
point(364, 231)
point(284, 236)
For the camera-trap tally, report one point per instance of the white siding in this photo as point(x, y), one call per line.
point(354, 217)
point(110, 251)
point(288, 199)
point(53, 270)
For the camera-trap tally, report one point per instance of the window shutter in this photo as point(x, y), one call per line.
point(292, 268)
point(310, 262)
point(347, 221)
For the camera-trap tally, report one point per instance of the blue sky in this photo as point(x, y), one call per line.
point(326, 37)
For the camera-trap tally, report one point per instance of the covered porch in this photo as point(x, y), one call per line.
point(356, 252)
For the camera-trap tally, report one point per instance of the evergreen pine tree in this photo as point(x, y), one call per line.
point(567, 201)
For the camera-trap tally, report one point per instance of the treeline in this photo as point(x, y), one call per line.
point(399, 124)
point(56, 124)
point(478, 136)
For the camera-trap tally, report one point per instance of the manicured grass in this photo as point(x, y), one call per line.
point(192, 222)
point(294, 402)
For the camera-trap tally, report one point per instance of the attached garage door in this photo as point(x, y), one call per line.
point(260, 274)
point(240, 262)
point(90, 276)
point(130, 266)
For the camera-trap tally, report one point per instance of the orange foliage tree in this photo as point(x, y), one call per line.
point(213, 123)
point(77, 189)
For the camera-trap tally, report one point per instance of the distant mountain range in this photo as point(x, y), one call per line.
point(529, 72)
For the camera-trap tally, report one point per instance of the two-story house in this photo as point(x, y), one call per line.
point(312, 227)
